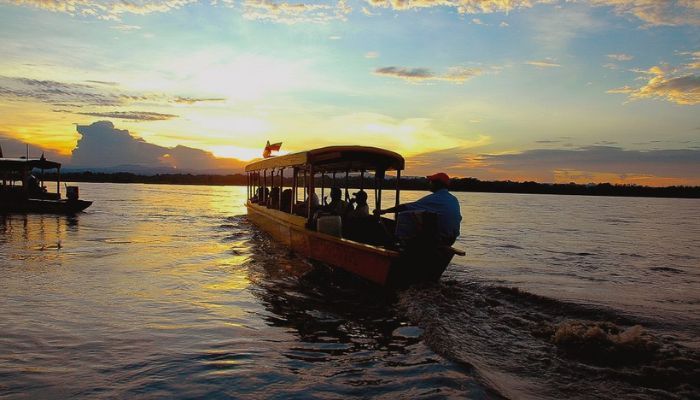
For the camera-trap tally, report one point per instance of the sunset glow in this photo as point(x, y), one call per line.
point(550, 91)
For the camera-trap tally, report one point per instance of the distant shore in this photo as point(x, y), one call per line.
point(409, 183)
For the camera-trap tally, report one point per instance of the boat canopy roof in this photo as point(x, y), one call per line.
point(335, 158)
point(20, 164)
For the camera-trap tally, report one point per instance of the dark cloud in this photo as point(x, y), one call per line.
point(456, 74)
point(131, 115)
point(67, 105)
point(53, 92)
point(405, 73)
point(85, 94)
point(192, 100)
point(544, 164)
point(548, 141)
point(103, 83)
point(102, 145)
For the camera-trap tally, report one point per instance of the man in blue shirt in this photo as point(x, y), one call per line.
point(441, 202)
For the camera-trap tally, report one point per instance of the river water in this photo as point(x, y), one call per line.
point(168, 291)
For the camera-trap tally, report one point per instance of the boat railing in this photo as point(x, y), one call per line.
point(293, 188)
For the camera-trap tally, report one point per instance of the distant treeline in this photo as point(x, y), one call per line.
point(410, 183)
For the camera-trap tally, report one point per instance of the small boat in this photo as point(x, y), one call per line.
point(366, 247)
point(22, 192)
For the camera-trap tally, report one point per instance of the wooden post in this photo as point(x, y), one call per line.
point(58, 182)
point(264, 190)
point(347, 183)
point(376, 192)
point(333, 184)
point(279, 193)
point(323, 184)
point(398, 193)
point(309, 215)
point(294, 190)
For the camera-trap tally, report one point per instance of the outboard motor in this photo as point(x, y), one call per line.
point(417, 228)
point(425, 258)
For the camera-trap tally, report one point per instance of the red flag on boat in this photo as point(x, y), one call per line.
point(269, 148)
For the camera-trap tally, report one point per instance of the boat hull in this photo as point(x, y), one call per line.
point(44, 206)
point(376, 264)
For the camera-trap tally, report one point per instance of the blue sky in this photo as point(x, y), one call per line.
point(487, 78)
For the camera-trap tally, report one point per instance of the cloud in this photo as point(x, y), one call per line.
point(405, 73)
point(372, 54)
point(624, 90)
point(103, 83)
point(126, 28)
point(131, 115)
point(89, 93)
point(652, 12)
point(101, 145)
point(104, 9)
point(457, 74)
point(583, 165)
point(676, 85)
point(620, 57)
point(367, 12)
point(477, 21)
point(657, 12)
point(52, 92)
point(193, 100)
point(462, 6)
point(543, 64)
point(293, 13)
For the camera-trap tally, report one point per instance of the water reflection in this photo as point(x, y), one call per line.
point(31, 233)
point(348, 338)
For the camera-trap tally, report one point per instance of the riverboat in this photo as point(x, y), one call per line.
point(366, 247)
point(22, 192)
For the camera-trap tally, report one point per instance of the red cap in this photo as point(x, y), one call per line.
point(440, 177)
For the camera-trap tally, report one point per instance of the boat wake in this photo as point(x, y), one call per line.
point(523, 345)
point(529, 346)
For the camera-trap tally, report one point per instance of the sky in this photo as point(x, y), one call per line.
point(544, 90)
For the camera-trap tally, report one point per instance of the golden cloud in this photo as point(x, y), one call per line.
point(651, 12)
point(109, 9)
point(657, 12)
point(292, 13)
point(677, 85)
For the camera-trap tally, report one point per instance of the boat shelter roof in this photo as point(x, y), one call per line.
point(335, 158)
point(20, 164)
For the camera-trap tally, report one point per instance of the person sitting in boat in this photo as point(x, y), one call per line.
point(273, 201)
point(440, 202)
point(34, 185)
point(259, 195)
point(286, 200)
point(358, 207)
point(301, 207)
point(337, 206)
